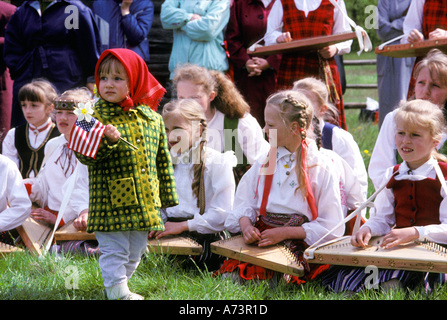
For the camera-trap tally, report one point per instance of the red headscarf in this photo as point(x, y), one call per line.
point(143, 87)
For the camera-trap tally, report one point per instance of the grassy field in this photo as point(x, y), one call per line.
point(27, 277)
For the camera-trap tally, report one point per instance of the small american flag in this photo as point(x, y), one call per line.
point(86, 137)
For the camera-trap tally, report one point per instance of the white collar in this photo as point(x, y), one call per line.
point(417, 174)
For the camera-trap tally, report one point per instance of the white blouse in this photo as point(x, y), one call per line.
point(352, 193)
point(51, 184)
point(283, 198)
point(274, 22)
point(385, 150)
point(250, 136)
point(346, 147)
point(15, 205)
point(219, 191)
point(36, 139)
point(413, 19)
point(384, 218)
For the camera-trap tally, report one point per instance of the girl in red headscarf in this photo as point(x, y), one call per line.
point(294, 198)
point(127, 187)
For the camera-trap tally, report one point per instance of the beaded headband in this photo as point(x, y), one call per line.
point(65, 104)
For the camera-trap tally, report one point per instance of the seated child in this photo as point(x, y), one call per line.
point(199, 169)
point(295, 199)
point(413, 205)
point(25, 144)
point(51, 185)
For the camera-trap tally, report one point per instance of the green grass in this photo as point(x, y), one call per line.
point(24, 276)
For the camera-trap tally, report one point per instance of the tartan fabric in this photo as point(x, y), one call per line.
point(249, 271)
point(295, 66)
point(434, 16)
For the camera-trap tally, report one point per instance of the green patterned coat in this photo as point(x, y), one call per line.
point(127, 187)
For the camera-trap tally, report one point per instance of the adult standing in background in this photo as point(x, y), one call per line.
point(124, 24)
point(198, 28)
point(56, 40)
point(301, 19)
point(393, 74)
point(255, 77)
point(6, 12)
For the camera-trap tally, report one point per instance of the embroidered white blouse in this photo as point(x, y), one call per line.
point(15, 205)
point(283, 198)
point(36, 139)
point(51, 184)
point(274, 22)
point(250, 136)
point(384, 218)
point(219, 191)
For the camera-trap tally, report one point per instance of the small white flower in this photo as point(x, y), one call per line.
point(84, 111)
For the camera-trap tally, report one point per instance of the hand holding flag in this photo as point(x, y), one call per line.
point(87, 133)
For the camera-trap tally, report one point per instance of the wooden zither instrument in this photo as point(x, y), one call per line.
point(308, 44)
point(69, 232)
point(6, 249)
point(34, 235)
point(278, 257)
point(413, 256)
point(418, 49)
point(165, 245)
point(177, 245)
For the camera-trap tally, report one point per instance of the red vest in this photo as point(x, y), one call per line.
point(416, 203)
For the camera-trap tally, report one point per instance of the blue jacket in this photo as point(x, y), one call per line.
point(62, 47)
point(130, 31)
point(199, 41)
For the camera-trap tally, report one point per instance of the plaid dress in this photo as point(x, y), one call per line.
point(434, 16)
point(297, 65)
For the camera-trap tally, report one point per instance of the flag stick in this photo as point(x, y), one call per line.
point(129, 144)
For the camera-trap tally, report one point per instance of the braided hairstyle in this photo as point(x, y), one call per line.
point(295, 106)
point(192, 111)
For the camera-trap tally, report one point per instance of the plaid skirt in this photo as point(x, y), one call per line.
point(248, 271)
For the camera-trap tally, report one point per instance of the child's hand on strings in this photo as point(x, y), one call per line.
point(249, 232)
point(112, 134)
point(284, 37)
point(42, 215)
point(80, 223)
point(173, 228)
point(271, 236)
point(361, 238)
point(399, 236)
